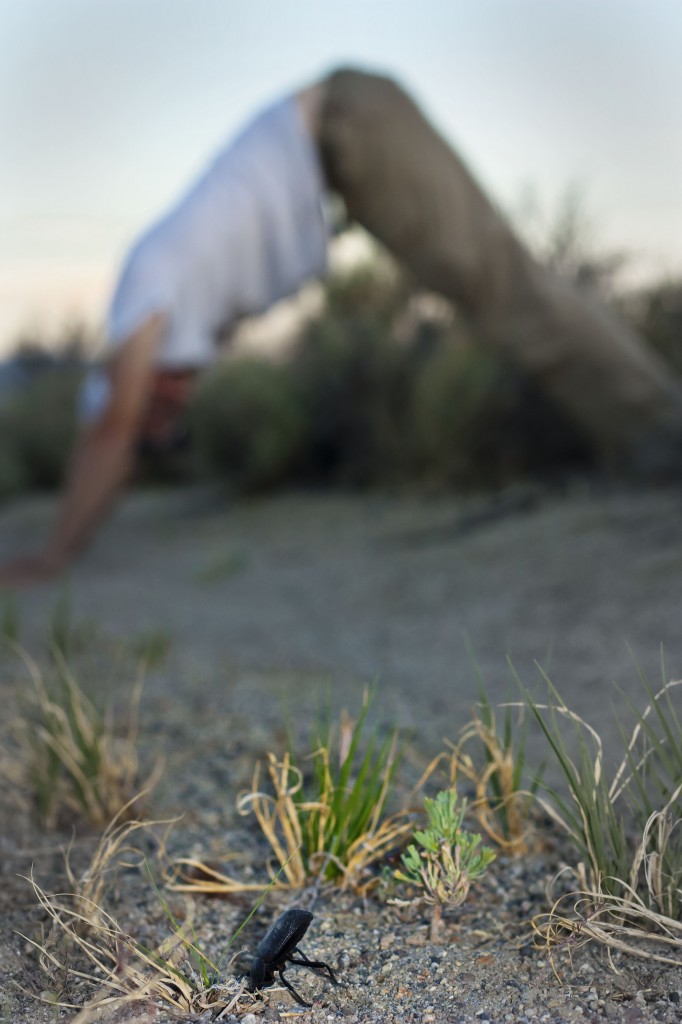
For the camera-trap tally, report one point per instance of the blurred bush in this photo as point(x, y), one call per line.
point(456, 392)
point(659, 317)
point(385, 386)
point(394, 389)
point(352, 380)
point(477, 421)
point(562, 236)
point(246, 424)
point(37, 430)
point(12, 475)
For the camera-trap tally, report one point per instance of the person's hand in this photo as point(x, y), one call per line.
point(30, 569)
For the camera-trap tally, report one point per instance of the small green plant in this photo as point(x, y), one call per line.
point(446, 859)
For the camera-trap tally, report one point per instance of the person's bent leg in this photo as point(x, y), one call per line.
point(401, 181)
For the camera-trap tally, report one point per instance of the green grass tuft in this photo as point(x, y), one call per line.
point(625, 825)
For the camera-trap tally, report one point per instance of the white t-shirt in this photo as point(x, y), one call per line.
point(248, 233)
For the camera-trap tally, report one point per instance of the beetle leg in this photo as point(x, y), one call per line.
point(314, 965)
point(299, 999)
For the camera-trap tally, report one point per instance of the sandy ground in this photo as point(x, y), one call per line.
point(381, 590)
point(267, 607)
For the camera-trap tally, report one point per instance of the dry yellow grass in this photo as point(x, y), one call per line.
point(68, 758)
point(86, 950)
point(284, 821)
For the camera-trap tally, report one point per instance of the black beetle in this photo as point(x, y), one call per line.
point(274, 951)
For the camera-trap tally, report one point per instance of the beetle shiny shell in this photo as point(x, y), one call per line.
point(275, 950)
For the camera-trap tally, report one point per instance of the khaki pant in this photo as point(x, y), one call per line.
point(401, 181)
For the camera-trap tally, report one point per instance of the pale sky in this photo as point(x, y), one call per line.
point(108, 108)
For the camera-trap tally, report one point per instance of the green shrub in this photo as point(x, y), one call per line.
point(454, 396)
point(478, 421)
point(660, 320)
point(353, 385)
point(384, 386)
point(393, 391)
point(246, 424)
point(37, 430)
point(13, 477)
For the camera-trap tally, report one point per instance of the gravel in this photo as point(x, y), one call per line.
point(320, 596)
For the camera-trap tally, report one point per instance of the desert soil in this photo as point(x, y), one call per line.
point(262, 611)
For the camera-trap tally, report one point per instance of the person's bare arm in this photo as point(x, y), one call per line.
point(102, 461)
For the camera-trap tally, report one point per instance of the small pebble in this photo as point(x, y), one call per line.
point(344, 959)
